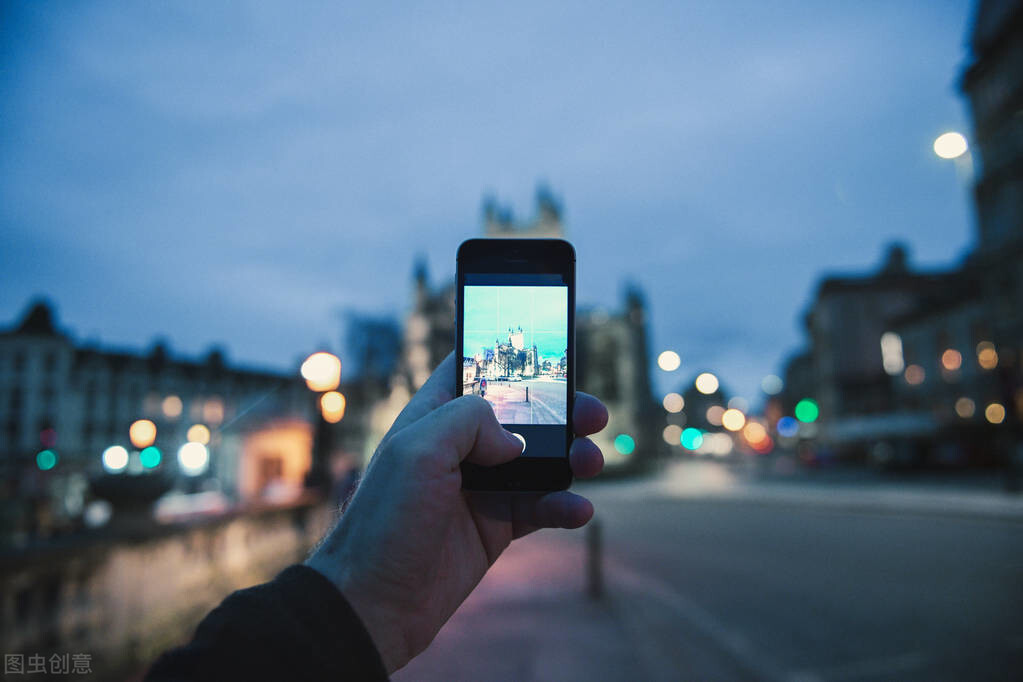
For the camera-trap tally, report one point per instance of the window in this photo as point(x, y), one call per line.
point(49, 398)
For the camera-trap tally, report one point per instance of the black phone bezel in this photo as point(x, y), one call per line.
point(519, 256)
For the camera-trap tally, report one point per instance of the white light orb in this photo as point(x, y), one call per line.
point(115, 458)
point(193, 458)
point(707, 383)
point(669, 361)
point(950, 145)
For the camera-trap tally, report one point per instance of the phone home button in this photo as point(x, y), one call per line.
point(521, 438)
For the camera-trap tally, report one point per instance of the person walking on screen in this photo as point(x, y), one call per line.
point(483, 387)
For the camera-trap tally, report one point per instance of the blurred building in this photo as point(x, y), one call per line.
point(499, 221)
point(611, 347)
point(924, 367)
point(72, 401)
point(613, 363)
point(993, 85)
point(845, 365)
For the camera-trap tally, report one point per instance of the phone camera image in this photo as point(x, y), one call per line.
point(515, 351)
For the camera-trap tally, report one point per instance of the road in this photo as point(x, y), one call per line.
point(546, 404)
point(749, 589)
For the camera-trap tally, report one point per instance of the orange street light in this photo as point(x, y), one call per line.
point(322, 371)
point(332, 406)
point(142, 433)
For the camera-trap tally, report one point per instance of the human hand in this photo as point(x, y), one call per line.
point(412, 544)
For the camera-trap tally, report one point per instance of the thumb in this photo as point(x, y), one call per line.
point(467, 429)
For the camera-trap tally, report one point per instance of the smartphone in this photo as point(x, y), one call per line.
point(515, 332)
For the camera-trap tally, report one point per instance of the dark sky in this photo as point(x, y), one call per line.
point(239, 173)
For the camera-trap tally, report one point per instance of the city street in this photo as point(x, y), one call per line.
point(546, 403)
point(711, 578)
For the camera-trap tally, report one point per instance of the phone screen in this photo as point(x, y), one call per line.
point(515, 354)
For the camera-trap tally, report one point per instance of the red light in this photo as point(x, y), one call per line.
point(48, 438)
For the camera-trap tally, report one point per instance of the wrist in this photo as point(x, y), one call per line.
point(383, 627)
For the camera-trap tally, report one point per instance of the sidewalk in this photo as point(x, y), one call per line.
point(530, 619)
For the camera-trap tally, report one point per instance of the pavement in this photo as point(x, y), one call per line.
point(709, 575)
point(545, 405)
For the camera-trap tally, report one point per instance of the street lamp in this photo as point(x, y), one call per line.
point(669, 361)
point(950, 145)
point(332, 405)
point(142, 433)
point(322, 371)
point(322, 374)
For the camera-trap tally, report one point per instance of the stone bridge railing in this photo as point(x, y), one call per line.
point(123, 596)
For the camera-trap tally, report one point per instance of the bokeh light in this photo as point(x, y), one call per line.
point(891, 353)
point(198, 433)
point(965, 408)
point(151, 457)
point(115, 458)
point(706, 383)
point(951, 359)
point(172, 407)
point(46, 459)
point(624, 444)
point(914, 375)
point(193, 458)
point(673, 402)
point(714, 414)
point(772, 384)
point(950, 145)
point(987, 356)
point(48, 437)
point(322, 371)
point(787, 427)
point(754, 433)
point(995, 413)
point(332, 406)
point(669, 361)
point(733, 419)
point(213, 411)
point(718, 444)
point(142, 433)
point(692, 438)
point(807, 411)
point(672, 434)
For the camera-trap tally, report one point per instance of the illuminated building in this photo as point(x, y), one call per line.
point(906, 356)
point(79, 400)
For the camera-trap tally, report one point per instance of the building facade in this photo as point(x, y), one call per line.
point(74, 401)
point(926, 367)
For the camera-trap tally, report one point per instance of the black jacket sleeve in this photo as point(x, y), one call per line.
point(296, 627)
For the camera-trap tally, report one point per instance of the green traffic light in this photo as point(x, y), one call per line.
point(692, 438)
point(807, 411)
point(46, 460)
point(624, 444)
point(150, 457)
